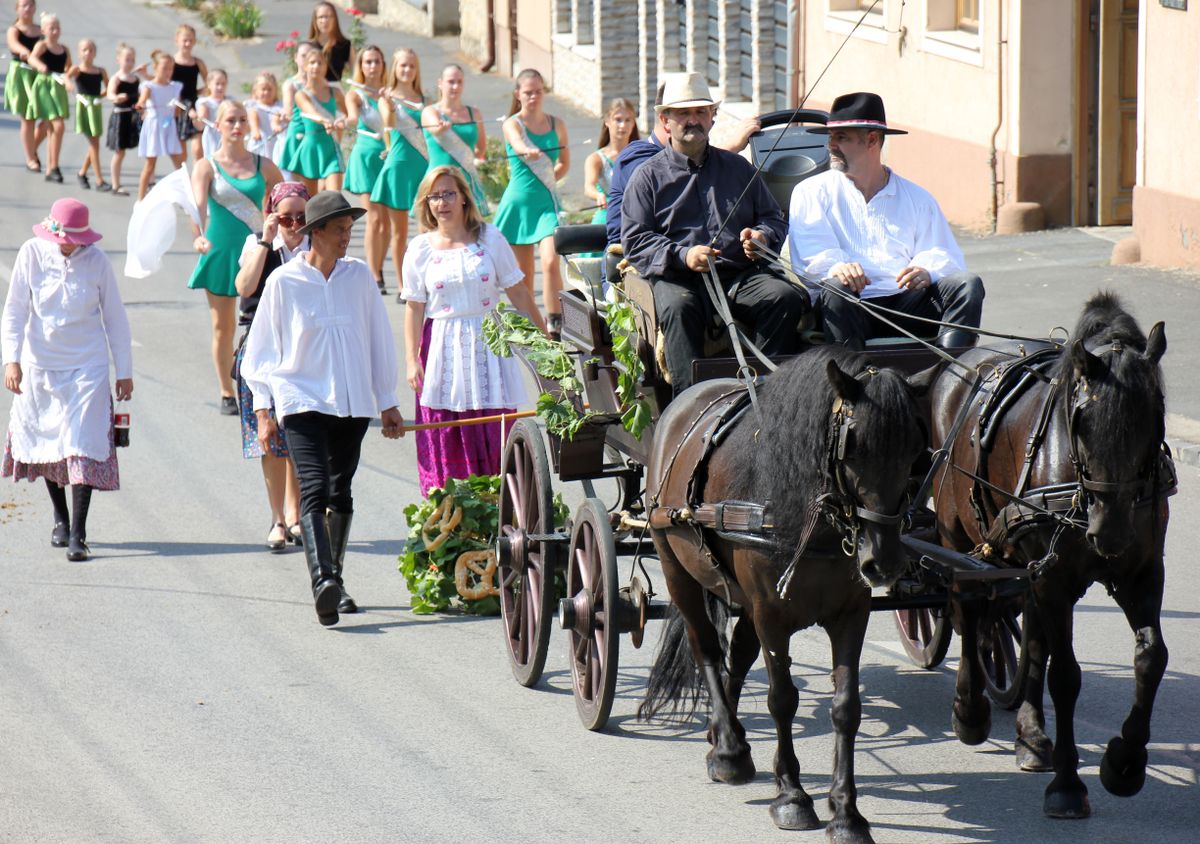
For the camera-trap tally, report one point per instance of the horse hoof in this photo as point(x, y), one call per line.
point(849, 831)
point(794, 811)
point(1035, 754)
point(1067, 805)
point(1122, 770)
point(972, 734)
point(730, 769)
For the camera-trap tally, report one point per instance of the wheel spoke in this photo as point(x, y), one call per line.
point(585, 574)
point(581, 645)
point(514, 494)
point(597, 668)
point(533, 590)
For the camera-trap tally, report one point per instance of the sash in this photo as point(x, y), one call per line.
point(369, 116)
point(319, 108)
point(88, 101)
point(457, 149)
point(541, 167)
point(409, 129)
point(229, 197)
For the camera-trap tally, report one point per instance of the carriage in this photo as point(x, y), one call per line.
point(535, 555)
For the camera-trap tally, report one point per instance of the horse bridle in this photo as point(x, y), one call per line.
point(1081, 396)
point(843, 509)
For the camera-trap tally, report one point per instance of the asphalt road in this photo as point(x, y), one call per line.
point(178, 688)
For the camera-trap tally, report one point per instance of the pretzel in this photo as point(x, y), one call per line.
point(468, 563)
point(445, 518)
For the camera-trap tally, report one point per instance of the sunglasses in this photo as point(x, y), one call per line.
point(291, 221)
point(446, 196)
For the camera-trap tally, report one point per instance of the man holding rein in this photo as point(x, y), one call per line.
point(671, 230)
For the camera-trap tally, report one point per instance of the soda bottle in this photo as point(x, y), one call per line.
point(121, 428)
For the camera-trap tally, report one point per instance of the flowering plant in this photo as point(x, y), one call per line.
point(287, 46)
point(358, 33)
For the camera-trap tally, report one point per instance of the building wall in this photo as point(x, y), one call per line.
point(1166, 199)
point(473, 28)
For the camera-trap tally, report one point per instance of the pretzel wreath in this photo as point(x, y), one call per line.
point(472, 562)
point(445, 518)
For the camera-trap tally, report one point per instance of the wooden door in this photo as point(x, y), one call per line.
point(1116, 112)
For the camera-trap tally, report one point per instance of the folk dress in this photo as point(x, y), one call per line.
point(89, 108)
point(463, 378)
point(366, 157)
point(528, 211)
point(234, 211)
point(63, 319)
point(18, 83)
point(48, 94)
point(403, 170)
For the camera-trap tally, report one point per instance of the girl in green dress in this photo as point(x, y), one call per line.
point(366, 158)
point(294, 123)
point(21, 38)
point(454, 133)
point(317, 160)
point(538, 157)
point(618, 128)
point(48, 95)
point(408, 154)
point(90, 83)
point(229, 188)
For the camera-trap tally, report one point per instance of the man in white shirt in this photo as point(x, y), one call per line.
point(321, 346)
point(880, 236)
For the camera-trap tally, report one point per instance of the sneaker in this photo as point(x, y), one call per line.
point(229, 406)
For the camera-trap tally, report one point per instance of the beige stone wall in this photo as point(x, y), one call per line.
point(473, 28)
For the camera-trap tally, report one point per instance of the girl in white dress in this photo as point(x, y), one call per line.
point(159, 133)
point(266, 117)
point(206, 111)
point(62, 320)
point(453, 276)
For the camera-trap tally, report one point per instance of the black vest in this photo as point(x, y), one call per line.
point(249, 304)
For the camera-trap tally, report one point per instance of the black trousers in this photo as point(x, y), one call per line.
point(759, 297)
point(956, 298)
point(325, 451)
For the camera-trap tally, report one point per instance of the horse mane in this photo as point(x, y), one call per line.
point(784, 448)
point(1132, 393)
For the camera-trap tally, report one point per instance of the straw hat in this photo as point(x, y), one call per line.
point(685, 90)
point(67, 223)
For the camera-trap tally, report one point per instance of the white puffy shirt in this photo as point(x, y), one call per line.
point(831, 223)
point(65, 312)
point(323, 346)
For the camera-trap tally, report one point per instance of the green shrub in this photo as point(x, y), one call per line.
point(494, 171)
point(237, 18)
point(190, 5)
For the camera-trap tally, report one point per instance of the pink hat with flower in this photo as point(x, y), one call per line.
point(67, 223)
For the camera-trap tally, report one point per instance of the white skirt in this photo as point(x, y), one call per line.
point(61, 414)
point(461, 373)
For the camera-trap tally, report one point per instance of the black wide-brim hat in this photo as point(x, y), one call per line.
point(857, 111)
point(325, 206)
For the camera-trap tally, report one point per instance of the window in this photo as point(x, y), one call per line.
point(865, 18)
point(967, 15)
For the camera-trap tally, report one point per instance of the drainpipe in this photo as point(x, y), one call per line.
point(489, 41)
point(1001, 44)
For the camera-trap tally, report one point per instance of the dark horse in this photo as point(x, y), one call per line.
point(829, 452)
point(1084, 440)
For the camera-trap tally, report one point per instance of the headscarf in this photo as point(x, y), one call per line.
point(282, 191)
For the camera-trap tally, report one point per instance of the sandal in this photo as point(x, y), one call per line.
point(120, 191)
point(34, 166)
point(277, 539)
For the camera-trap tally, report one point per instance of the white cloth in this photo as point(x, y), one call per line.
point(63, 318)
point(151, 231)
point(276, 245)
point(160, 134)
point(321, 345)
point(459, 287)
point(210, 136)
point(902, 226)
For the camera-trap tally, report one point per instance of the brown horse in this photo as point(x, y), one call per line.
point(1082, 444)
point(829, 451)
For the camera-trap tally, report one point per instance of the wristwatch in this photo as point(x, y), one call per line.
point(265, 243)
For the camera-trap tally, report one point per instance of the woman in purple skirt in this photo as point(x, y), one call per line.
point(453, 276)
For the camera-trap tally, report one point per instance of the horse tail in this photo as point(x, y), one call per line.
point(676, 686)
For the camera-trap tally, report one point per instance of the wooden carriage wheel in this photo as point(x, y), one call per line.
point(591, 614)
point(526, 564)
point(1003, 653)
point(925, 635)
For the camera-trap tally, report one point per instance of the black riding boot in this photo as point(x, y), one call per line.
point(62, 518)
point(955, 338)
point(81, 499)
point(339, 535)
point(325, 589)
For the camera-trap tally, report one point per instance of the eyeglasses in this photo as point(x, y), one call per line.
point(291, 220)
point(446, 196)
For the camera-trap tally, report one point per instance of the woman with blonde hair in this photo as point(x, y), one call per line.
point(326, 31)
point(22, 36)
point(48, 94)
point(317, 159)
point(454, 132)
point(408, 154)
point(366, 158)
point(453, 276)
point(527, 216)
point(229, 187)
